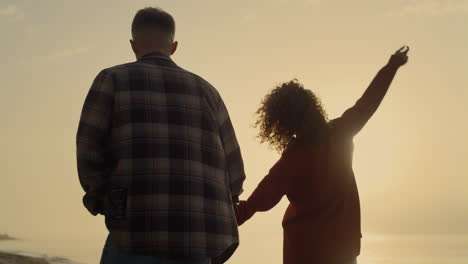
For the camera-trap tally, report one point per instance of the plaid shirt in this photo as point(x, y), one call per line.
point(158, 156)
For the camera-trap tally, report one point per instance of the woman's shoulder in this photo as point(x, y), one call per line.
point(299, 149)
point(337, 130)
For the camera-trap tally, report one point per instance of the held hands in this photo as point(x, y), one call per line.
point(399, 58)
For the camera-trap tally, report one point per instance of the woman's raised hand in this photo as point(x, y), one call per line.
point(400, 57)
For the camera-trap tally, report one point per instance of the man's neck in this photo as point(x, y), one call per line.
point(160, 51)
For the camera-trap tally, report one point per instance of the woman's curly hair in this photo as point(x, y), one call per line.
point(288, 114)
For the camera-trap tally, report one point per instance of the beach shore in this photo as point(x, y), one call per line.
point(8, 258)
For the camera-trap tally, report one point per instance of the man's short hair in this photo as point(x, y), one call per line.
point(156, 20)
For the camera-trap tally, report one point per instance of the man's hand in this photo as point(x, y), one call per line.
point(399, 58)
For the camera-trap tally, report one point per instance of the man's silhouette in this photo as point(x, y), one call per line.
point(158, 156)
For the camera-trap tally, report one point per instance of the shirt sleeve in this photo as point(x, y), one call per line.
point(235, 164)
point(92, 139)
point(354, 119)
point(268, 192)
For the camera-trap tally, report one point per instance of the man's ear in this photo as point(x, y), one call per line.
point(174, 47)
point(132, 43)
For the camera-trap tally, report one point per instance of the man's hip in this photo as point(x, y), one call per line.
point(113, 254)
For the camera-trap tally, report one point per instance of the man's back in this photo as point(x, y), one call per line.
point(158, 156)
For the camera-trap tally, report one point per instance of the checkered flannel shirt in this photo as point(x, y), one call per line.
point(160, 138)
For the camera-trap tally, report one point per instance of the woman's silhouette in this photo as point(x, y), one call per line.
point(322, 223)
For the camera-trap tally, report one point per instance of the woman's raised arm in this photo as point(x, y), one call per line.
point(354, 119)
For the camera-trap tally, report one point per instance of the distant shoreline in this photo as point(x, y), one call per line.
point(6, 237)
point(9, 258)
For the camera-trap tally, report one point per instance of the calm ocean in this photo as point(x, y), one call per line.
point(376, 249)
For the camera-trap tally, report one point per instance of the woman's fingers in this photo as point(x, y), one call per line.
point(403, 50)
point(400, 57)
point(406, 51)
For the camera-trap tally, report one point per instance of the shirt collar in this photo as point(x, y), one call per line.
point(155, 54)
point(157, 57)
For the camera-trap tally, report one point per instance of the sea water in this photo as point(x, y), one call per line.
point(376, 249)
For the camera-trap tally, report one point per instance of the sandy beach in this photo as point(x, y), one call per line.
point(8, 258)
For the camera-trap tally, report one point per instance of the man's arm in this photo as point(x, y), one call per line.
point(354, 119)
point(91, 141)
point(234, 162)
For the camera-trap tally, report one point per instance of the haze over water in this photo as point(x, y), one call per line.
point(377, 249)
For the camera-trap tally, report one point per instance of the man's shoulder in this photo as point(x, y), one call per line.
point(203, 84)
point(137, 65)
point(208, 87)
point(119, 68)
point(123, 70)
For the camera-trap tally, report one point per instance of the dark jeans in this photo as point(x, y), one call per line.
point(112, 254)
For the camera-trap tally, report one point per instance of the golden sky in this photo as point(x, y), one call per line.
point(410, 160)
